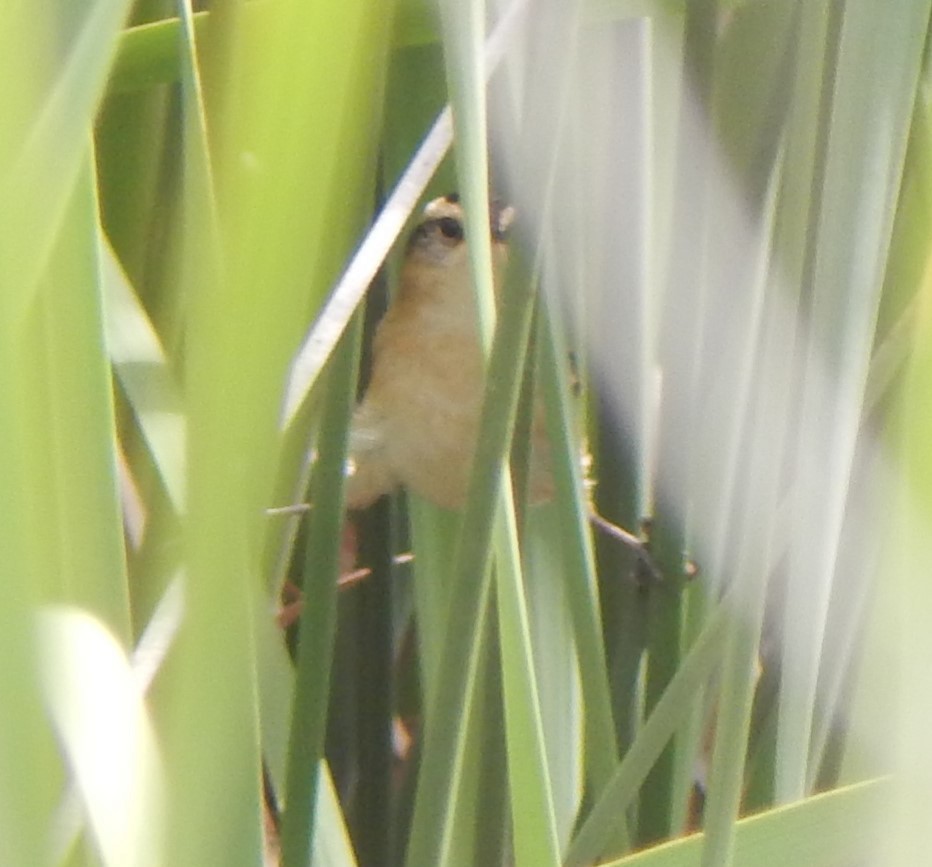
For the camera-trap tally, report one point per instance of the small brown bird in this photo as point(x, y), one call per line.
point(418, 422)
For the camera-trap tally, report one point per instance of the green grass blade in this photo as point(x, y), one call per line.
point(581, 591)
point(825, 830)
point(604, 828)
point(683, 320)
point(455, 678)
point(532, 808)
point(318, 616)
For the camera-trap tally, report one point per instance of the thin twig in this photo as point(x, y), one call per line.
point(634, 543)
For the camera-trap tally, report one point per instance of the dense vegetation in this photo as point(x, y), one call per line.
point(723, 219)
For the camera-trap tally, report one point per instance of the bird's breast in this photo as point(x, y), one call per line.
point(426, 392)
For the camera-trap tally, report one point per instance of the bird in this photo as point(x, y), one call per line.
point(417, 424)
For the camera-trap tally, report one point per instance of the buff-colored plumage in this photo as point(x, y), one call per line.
point(418, 421)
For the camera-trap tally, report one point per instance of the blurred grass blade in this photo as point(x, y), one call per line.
point(215, 534)
point(464, 30)
point(332, 845)
point(84, 518)
point(900, 616)
point(747, 565)
point(45, 131)
point(148, 54)
point(684, 318)
point(142, 369)
point(52, 71)
point(864, 161)
point(146, 661)
point(151, 54)
point(97, 709)
point(61, 510)
point(159, 635)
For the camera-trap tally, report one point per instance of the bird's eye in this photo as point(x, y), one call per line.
point(451, 228)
